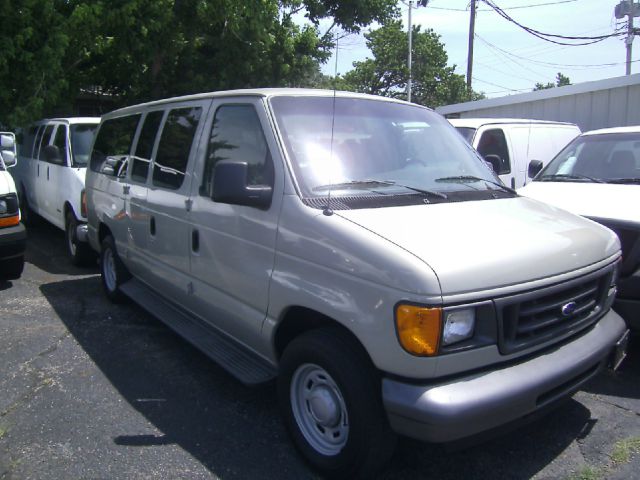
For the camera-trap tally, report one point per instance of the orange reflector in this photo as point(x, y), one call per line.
point(419, 329)
point(9, 221)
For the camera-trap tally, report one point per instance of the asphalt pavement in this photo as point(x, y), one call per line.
point(92, 390)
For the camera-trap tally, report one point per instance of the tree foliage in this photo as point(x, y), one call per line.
point(434, 82)
point(138, 50)
point(561, 81)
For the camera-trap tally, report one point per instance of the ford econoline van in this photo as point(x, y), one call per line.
point(511, 143)
point(358, 250)
point(50, 177)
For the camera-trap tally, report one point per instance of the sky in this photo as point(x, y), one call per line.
point(507, 59)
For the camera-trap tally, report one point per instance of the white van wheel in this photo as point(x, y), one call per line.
point(112, 272)
point(79, 252)
point(330, 397)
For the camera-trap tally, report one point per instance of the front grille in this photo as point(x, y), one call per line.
point(551, 313)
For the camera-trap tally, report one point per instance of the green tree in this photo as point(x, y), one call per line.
point(561, 81)
point(434, 82)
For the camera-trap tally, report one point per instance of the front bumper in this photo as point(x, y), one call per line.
point(13, 241)
point(466, 406)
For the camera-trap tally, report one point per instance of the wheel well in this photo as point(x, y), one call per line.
point(299, 320)
point(103, 231)
point(66, 209)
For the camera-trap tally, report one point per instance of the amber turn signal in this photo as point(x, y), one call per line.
point(419, 329)
point(9, 221)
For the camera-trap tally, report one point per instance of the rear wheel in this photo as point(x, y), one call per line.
point(112, 271)
point(80, 253)
point(26, 214)
point(330, 397)
point(11, 269)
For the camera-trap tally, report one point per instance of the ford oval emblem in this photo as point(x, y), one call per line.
point(569, 308)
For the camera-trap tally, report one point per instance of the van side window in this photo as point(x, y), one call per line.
point(114, 141)
point(60, 141)
point(237, 135)
point(46, 139)
point(493, 142)
point(36, 143)
point(175, 146)
point(144, 148)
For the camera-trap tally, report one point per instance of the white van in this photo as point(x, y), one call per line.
point(598, 176)
point(50, 176)
point(510, 144)
point(13, 236)
point(358, 250)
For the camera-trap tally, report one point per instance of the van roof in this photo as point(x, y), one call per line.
point(480, 122)
point(69, 120)
point(260, 92)
point(602, 131)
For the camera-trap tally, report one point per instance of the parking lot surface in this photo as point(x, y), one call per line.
point(92, 390)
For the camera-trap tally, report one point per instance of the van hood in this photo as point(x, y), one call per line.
point(604, 201)
point(6, 183)
point(479, 245)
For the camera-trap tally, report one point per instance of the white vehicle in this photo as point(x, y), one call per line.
point(598, 176)
point(358, 250)
point(510, 144)
point(13, 236)
point(50, 176)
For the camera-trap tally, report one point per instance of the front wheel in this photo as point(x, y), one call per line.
point(112, 271)
point(80, 253)
point(330, 397)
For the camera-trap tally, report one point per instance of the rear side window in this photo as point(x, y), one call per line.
point(144, 148)
point(114, 140)
point(493, 142)
point(175, 146)
point(46, 139)
point(60, 141)
point(237, 135)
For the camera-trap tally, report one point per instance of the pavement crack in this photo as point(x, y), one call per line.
point(621, 407)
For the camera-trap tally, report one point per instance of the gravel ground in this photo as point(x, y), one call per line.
point(92, 390)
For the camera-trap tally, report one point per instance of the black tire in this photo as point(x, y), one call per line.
point(80, 253)
point(12, 268)
point(354, 385)
point(26, 214)
point(113, 273)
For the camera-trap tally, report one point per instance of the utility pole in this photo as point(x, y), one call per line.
point(472, 32)
point(410, 48)
point(630, 35)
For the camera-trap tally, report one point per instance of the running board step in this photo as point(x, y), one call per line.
point(236, 359)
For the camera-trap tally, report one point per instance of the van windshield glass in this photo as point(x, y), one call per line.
point(378, 146)
point(608, 158)
point(81, 139)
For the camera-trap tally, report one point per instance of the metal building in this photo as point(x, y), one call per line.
point(613, 102)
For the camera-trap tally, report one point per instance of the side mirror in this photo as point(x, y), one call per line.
point(494, 161)
point(230, 186)
point(52, 155)
point(534, 168)
point(9, 158)
point(7, 142)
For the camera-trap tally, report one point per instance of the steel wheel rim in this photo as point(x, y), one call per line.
point(109, 269)
point(319, 409)
point(71, 240)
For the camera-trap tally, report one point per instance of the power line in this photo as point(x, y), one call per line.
point(506, 8)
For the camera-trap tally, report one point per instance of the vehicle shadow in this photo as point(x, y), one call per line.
point(5, 285)
point(235, 431)
point(46, 249)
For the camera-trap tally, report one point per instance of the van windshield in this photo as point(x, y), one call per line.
point(361, 146)
point(81, 139)
point(600, 158)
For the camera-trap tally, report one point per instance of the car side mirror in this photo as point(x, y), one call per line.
point(52, 155)
point(8, 149)
point(230, 186)
point(7, 142)
point(494, 162)
point(534, 168)
point(8, 157)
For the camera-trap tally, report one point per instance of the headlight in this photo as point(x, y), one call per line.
point(3, 207)
point(458, 325)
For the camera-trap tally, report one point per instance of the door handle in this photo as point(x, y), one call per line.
point(47, 173)
point(152, 226)
point(126, 189)
point(195, 241)
point(38, 169)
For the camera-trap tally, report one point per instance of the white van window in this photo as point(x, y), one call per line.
point(60, 141)
point(114, 141)
point(493, 142)
point(237, 135)
point(81, 139)
point(46, 139)
point(144, 148)
point(175, 146)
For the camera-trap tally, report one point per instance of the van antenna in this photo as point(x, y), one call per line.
point(327, 209)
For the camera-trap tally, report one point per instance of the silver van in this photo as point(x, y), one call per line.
point(360, 252)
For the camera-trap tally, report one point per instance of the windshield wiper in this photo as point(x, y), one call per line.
point(376, 183)
point(471, 178)
point(630, 181)
point(569, 177)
